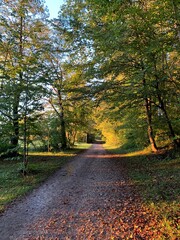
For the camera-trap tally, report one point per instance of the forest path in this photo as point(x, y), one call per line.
point(89, 198)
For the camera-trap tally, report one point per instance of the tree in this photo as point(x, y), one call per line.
point(71, 99)
point(24, 41)
point(123, 47)
point(58, 86)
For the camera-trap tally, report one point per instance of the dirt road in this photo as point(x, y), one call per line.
point(89, 198)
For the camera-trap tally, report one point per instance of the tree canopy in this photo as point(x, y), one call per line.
point(101, 66)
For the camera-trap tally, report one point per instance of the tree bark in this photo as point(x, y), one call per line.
point(149, 122)
point(63, 133)
point(149, 117)
point(15, 137)
point(15, 121)
point(163, 108)
point(60, 114)
point(25, 149)
point(168, 121)
point(63, 127)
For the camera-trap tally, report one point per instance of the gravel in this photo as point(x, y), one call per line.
point(91, 198)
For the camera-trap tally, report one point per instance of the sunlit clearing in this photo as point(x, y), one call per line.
point(51, 154)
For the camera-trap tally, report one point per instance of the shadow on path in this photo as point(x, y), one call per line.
point(89, 198)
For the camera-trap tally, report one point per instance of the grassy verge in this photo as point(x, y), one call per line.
point(41, 165)
point(157, 176)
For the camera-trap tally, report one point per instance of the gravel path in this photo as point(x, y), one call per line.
point(89, 198)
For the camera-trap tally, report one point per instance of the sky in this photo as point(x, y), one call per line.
point(54, 7)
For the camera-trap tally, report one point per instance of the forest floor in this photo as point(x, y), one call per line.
point(90, 198)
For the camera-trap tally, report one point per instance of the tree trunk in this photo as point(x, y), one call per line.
point(25, 150)
point(149, 116)
point(15, 137)
point(63, 127)
point(149, 122)
point(74, 138)
point(15, 121)
point(63, 132)
point(163, 108)
point(60, 114)
point(168, 121)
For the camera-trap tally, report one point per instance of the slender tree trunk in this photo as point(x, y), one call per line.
point(74, 138)
point(149, 118)
point(62, 122)
point(15, 122)
point(149, 122)
point(163, 108)
point(48, 141)
point(25, 150)
point(60, 114)
point(63, 133)
point(15, 138)
point(168, 121)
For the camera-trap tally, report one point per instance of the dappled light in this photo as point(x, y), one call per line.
point(95, 196)
point(89, 120)
point(51, 154)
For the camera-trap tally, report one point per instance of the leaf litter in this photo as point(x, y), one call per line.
point(96, 202)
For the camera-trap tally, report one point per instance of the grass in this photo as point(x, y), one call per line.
point(41, 165)
point(157, 176)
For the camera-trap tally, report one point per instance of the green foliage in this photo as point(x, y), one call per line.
point(23, 47)
point(96, 54)
point(132, 65)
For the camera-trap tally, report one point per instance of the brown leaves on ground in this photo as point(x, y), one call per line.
point(113, 220)
point(93, 201)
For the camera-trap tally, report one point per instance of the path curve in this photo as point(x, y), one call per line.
point(89, 198)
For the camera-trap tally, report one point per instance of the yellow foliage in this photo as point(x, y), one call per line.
point(109, 132)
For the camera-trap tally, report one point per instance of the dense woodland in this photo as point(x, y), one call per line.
point(109, 68)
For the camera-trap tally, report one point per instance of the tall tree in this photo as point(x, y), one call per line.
point(123, 47)
point(24, 41)
point(71, 98)
point(58, 105)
